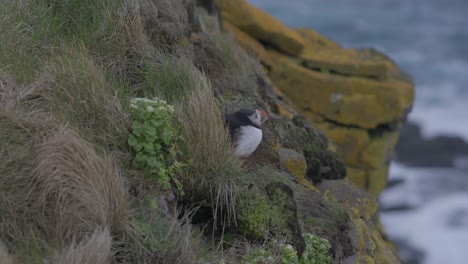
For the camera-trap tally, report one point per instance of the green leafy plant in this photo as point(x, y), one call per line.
point(154, 139)
point(316, 251)
point(263, 256)
point(289, 255)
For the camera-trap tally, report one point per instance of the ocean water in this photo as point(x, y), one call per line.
point(429, 40)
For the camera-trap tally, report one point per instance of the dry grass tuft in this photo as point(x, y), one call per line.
point(214, 168)
point(56, 184)
point(55, 188)
point(79, 93)
point(95, 249)
point(160, 238)
point(172, 78)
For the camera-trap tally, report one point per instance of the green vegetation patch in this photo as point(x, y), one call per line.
point(155, 140)
point(258, 217)
point(316, 252)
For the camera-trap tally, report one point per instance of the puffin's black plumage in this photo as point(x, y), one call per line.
point(238, 119)
point(244, 129)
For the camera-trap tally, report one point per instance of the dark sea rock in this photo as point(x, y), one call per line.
point(408, 253)
point(440, 151)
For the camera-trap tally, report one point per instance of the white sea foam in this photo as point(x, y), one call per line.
point(439, 228)
point(445, 117)
point(439, 224)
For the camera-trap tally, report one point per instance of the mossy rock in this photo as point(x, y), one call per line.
point(304, 138)
point(361, 148)
point(357, 202)
point(295, 164)
point(326, 219)
point(371, 247)
point(263, 213)
point(333, 167)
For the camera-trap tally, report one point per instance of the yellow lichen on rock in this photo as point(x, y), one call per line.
point(358, 203)
point(262, 25)
point(311, 37)
point(365, 235)
point(247, 42)
point(356, 101)
point(345, 61)
point(357, 176)
point(296, 165)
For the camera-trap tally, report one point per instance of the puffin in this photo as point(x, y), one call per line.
point(245, 130)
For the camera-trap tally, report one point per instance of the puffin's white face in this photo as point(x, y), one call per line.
point(258, 117)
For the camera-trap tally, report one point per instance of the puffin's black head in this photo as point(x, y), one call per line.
point(257, 117)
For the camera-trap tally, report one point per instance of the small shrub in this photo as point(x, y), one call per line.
point(316, 251)
point(289, 255)
point(154, 139)
point(263, 256)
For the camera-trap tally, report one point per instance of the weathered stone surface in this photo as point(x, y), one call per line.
point(358, 203)
point(371, 247)
point(374, 181)
point(282, 196)
point(295, 164)
point(326, 219)
point(311, 143)
point(346, 61)
point(361, 102)
point(361, 237)
point(357, 176)
point(311, 37)
point(262, 25)
point(358, 259)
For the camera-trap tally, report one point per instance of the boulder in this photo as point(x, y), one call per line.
point(439, 151)
point(295, 164)
point(357, 202)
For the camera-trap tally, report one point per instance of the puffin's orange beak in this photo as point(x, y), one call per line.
point(264, 115)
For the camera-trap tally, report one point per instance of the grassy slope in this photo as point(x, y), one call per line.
point(68, 69)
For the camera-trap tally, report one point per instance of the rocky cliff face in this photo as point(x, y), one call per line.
point(357, 97)
point(66, 120)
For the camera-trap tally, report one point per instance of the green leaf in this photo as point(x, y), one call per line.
point(153, 162)
point(137, 132)
point(139, 160)
point(150, 132)
point(136, 125)
point(148, 147)
point(138, 147)
point(156, 122)
point(140, 157)
point(153, 204)
point(132, 141)
point(157, 146)
point(165, 186)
